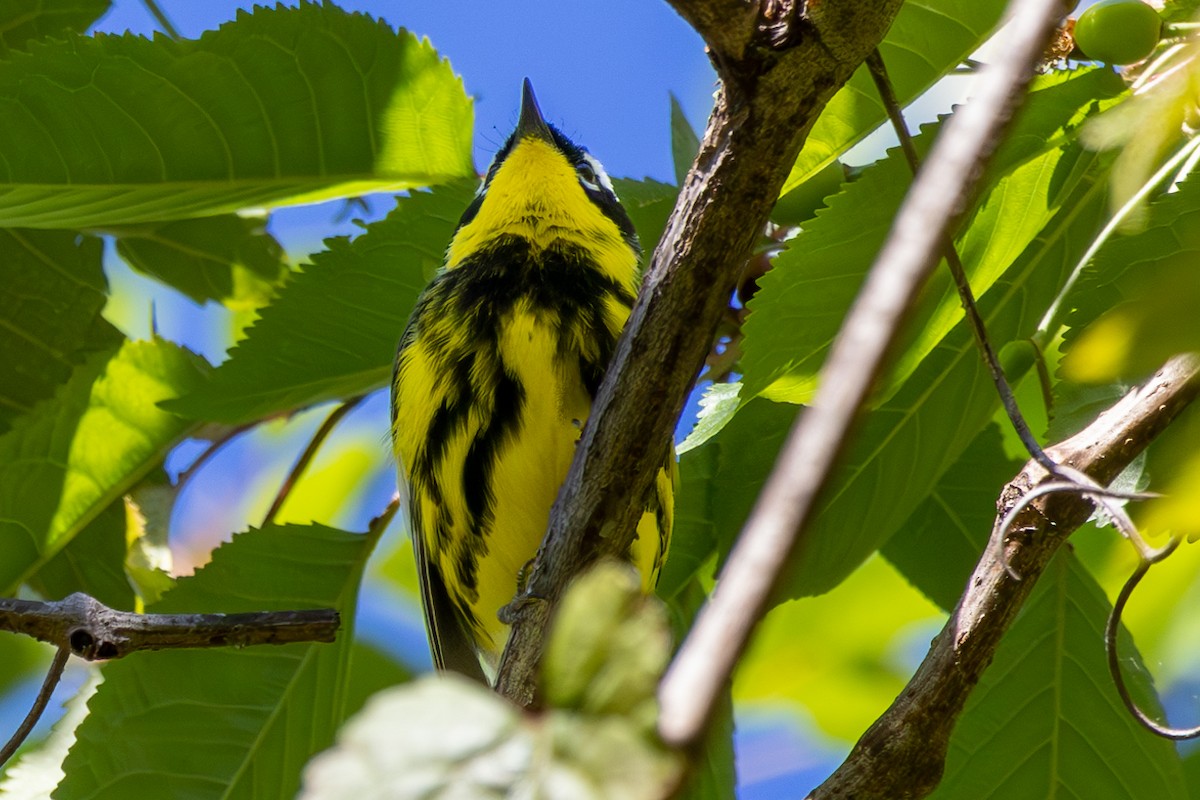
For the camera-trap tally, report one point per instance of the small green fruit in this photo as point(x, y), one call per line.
point(1118, 31)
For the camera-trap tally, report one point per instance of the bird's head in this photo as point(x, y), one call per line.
point(543, 188)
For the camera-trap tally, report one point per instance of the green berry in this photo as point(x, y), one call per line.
point(1118, 31)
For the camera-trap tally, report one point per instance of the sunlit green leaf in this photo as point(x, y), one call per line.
point(1046, 720)
point(225, 722)
point(835, 655)
point(79, 452)
point(802, 300)
point(281, 105)
point(1135, 302)
point(928, 39)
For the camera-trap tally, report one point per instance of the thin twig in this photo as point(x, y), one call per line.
point(213, 448)
point(930, 211)
point(93, 631)
point(163, 21)
point(1113, 627)
point(307, 455)
point(53, 675)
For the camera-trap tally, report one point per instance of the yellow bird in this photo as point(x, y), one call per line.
point(494, 380)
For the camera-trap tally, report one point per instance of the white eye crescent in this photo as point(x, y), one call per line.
point(592, 175)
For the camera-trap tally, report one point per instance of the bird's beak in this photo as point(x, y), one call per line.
point(531, 123)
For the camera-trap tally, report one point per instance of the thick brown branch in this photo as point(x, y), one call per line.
point(92, 630)
point(903, 754)
point(765, 108)
point(768, 541)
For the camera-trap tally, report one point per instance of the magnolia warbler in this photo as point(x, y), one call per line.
point(494, 380)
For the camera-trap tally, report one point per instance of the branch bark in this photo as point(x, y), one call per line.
point(903, 754)
point(91, 630)
point(779, 63)
point(923, 224)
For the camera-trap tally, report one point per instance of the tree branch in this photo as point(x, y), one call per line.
point(912, 250)
point(91, 630)
point(777, 71)
point(904, 752)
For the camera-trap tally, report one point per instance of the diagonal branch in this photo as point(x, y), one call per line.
point(912, 250)
point(903, 753)
point(777, 71)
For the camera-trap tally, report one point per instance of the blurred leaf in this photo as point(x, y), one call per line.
point(23, 20)
point(684, 142)
point(233, 723)
point(371, 671)
point(836, 655)
point(78, 453)
point(649, 203)
point(92, 562)
point(1046, 720)
point(38, 770)
point(803, 299)
point(1148, 126)
point(231, 259)
point(148, 559)
point(333, 330)
point(608, 647)
point(928, 39)
point(282, 105)
point(22, 659)
point(485, 749)
point(1132, 340)
point(713, 775)
point(50, 319)
point(937, 547)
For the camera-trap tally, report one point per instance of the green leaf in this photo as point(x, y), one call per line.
point(283, 105)
point(928, 39)
point(1135, 301)
point(371, 670)
point(228, 258)
point(333, 330)
point(231, 723)
point(23, 20)
point(649, 204)
point(937, 547)
point(804, 297)
point(54, 291)
point(63, 464)
point(835, 656)
point(1046, 720)
point(684, 142)
point(93, 563)
point(902, 448)
point(719, 483)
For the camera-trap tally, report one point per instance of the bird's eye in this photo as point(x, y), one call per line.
point(587, 174)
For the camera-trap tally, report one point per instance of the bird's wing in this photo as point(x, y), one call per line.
point(451, 647)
